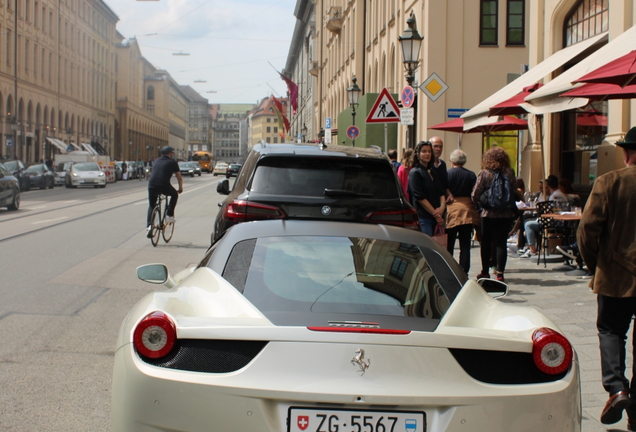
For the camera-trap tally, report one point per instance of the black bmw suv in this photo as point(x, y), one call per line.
point(315, 182)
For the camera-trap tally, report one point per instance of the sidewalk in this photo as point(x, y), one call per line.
point(568, 302)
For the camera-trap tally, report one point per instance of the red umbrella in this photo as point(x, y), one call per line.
point(599, 92)
point(591, 119)
point(504, 123)
point(511, 106)
point(621, 71)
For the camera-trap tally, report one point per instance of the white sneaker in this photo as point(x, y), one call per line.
point(149, 231)
point(169, 219)
point(523, 251)
point(528, 254)
point(565, 252)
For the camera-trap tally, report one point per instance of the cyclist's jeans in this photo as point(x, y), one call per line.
point(153, 193)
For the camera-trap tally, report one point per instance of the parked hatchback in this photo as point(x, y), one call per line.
point(41, 176)
point(9, 189)
point(315, 182)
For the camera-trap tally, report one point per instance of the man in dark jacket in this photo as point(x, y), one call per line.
point(159, 184)
point(607, 241)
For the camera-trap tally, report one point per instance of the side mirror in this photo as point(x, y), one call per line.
point(223, 187)
point(494, 287)
point(153, 273)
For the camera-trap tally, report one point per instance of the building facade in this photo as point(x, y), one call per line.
point(57, 76)
point(142, 105)
point(199, 120)
point(229, 125)
point(473, 47)
point(264, 123)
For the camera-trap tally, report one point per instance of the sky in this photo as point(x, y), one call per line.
point(231, 43)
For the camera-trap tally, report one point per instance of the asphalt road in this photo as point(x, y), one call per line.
point(67, 279)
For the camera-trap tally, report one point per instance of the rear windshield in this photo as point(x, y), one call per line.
point(12, 165)
point(86, 166)
point(35, 168)
point(315, 280)
point(311, 176)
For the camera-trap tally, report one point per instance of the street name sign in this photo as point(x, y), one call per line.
point(455, 112)
point(385, 109)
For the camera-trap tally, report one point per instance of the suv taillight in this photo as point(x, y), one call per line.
point(404, 218)
point(551, 351)
point(245, 211)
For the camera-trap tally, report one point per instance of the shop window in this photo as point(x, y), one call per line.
point(488, 23)
point(583, 131)
point(515, 23)
point(509, 141)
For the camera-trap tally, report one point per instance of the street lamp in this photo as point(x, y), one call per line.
point(411, 41)
point(353, 93)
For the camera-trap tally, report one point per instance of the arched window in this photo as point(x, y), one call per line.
point(587, 19)
point(151, 93)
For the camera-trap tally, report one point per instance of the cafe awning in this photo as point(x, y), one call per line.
point(57, 143)
point(547, 97)
point(479, 113)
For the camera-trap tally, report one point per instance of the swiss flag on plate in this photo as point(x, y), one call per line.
point(303, 422)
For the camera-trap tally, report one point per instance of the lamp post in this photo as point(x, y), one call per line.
point(411, 41)
point(353, 93)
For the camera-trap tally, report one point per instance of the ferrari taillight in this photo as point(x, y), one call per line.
point(551, 351)
point(245, 211)
point(404, 218)
point(155, 335)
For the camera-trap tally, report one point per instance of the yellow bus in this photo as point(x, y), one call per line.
point(205, 159)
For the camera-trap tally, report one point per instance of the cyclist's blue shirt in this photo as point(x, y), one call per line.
point(162, 170)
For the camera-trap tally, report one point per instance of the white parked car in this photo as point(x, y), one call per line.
point(220, 169)
point(85, 174)
point(296, 326)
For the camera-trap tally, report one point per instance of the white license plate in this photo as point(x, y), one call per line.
point(326, 420)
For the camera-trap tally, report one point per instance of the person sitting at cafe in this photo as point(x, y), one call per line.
point(565, 186)
point(531, 226)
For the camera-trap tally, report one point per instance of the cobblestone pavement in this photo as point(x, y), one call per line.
point(569, 302)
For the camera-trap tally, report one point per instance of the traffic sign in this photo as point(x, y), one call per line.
point(385, 109)
point(407, 97)
point(353, 132)
point(407, 116)
point(434, 87)
point(8, 142)
point(328, 123)
point(455, 112)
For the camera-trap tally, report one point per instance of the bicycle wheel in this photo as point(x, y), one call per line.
point(155, 223)
point(168, 228)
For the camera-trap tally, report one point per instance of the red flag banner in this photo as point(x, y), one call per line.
point(292, 88)
point(283, 123)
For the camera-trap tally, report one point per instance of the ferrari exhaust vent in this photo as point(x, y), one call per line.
point(551, 351)
point(155, 335)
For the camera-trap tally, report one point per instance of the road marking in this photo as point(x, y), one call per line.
point(50, 220)
point(34, 208)
point(71, 201)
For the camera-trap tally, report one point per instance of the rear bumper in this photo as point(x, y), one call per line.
point(257, 397)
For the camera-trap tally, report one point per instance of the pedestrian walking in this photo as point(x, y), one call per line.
point(425, 190)
point(461, 213)
point(393, 155)
point(495, 222)
point(440, 166)
point(404, 170)
point(607, 242)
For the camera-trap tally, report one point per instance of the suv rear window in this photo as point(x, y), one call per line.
point(310, 176)
point(314, 280)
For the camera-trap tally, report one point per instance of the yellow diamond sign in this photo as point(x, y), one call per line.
point(434, 87)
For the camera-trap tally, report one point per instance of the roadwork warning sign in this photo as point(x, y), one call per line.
point(385, 109)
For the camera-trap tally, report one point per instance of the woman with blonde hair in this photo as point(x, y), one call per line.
point(495, 223)
point(404, 170)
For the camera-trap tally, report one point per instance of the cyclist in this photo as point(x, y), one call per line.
point(159, 183)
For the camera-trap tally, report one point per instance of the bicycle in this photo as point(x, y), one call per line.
point(157, 224)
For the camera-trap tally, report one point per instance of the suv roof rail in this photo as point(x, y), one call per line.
point(376, 148)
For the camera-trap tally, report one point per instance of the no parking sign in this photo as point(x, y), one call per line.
point(353, 132)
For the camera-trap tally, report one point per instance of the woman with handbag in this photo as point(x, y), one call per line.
point(425, 190)
point(462, 215)
point(495, 222)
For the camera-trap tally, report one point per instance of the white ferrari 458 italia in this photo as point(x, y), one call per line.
point(298, 326)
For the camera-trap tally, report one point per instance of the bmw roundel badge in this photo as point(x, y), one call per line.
point(325, 210)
